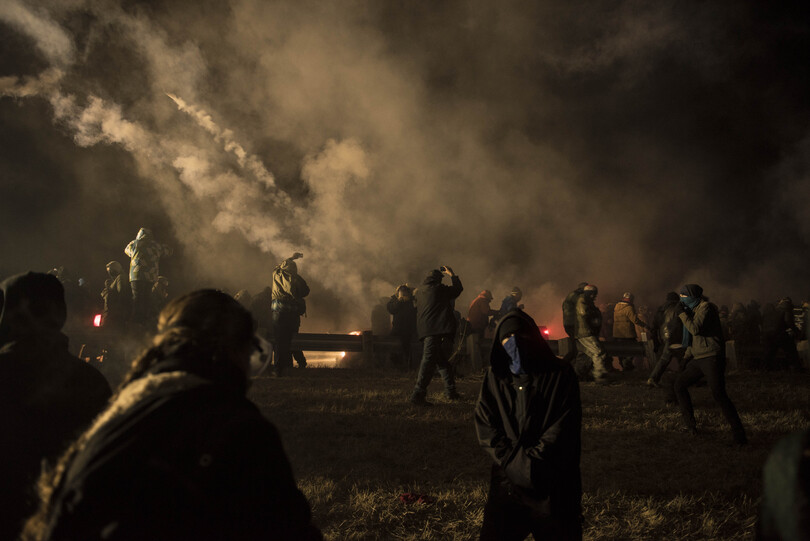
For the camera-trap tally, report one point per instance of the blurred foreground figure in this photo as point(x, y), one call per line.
point(588, 325)
point(47, 396)
point(670, 333)
point(625, 321)
point(287, 307)
point(529, 420)
point(180, 453)
point(144, 271)
point(436, 325)
point(705, 356)
point(784, 513)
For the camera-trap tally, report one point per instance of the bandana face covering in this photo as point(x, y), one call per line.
point(511, 347)
point(260, 359)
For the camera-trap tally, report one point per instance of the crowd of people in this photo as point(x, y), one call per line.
point(178, 451)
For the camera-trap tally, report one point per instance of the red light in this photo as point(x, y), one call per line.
point(97, 320)
point(546, 332)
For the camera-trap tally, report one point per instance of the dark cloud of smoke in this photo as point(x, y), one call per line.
point(635, 145)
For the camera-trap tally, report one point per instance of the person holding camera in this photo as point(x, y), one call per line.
point(436, 326)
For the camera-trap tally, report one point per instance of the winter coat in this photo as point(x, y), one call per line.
point(625, 320)
point(289, 289)
point(668, 325)
point(434, 305)
point(509, 304)
point(589, 318)
point(707, 334)
point(117, 302)
point(47, 396)
point(479, 313)
point(404, 320)
point(145, 254)
point(177, 456)
point(530, 425)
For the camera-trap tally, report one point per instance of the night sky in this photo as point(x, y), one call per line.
point(634, 145)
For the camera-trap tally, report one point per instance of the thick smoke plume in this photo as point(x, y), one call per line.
point(633, 145)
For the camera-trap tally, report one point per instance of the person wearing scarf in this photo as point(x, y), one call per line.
point(529, 420)
point(705, 356)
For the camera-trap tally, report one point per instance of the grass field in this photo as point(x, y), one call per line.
point(356, 445)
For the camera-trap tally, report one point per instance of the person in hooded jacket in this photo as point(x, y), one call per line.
point(588, 325)
point(705, 356)
point(529, 420)
point(47, 396)
point(436, 326)
point(625, 321)
point(117, 297)
point(403, 311)
point(511, 302)
point(569, 309)
point(670, 333)
point(287, 307)
point(144, 269)
point(180, 453)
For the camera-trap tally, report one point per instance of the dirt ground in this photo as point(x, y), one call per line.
point(356, 445)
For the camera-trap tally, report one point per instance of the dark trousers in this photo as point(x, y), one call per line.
point(508, 519)
point(285, 325)
point(299, 357)
point(663, 361)
point(785, 342)
point(435, 353)
point(626, 362)
point(714, 368)
point(402, 358)
point(141, 299)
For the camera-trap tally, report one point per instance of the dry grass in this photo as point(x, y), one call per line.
point(356, 445)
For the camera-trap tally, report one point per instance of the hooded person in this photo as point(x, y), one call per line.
point(402, 308)
point(625, 321)
point(286, 308)
point(180, 453)
point(436, 326)
point(479, 312)
point(47, 396)
point(144, 270)
point(704, 356)
point(117, 297)
point(529, 421)
point(586, 331)
point(511, 302)
point(569, 309)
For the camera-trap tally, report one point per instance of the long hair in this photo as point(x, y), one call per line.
point(195, 333)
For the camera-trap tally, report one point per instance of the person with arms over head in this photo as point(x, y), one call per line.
point(588, 325)
point(705, 356)
point(436, 326)
point(180, 453)
point(625, 321)
point(47, 396)
point(287, 307)
point(144, 269)
point(403, 311)
point(529, 420)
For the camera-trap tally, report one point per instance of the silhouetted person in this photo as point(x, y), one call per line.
point(569, 310)
point(144, 269)
point(670, 332)
point(479, 313)
point(47, 396)
point(511, 302)
point(778, 333)
point(180, 453)
point(588, 325)
point(705, 356)
point(529, 420)
point(117, 297)
point(625, 321)
point(287, 307)
point(436, 326)
point(160, 296)
point(402, 308)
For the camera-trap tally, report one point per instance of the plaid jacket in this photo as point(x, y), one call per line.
point(145, 254)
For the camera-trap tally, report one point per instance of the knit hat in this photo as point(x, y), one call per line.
point(692, 290)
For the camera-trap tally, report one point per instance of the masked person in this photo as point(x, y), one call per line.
point(402, 308)
point(436, 326)
point(529, 420)
point(705, 356)
point(47, 396)
point(117, 297)
point(586, 331)
point(287, 307)
point(180, 453)
point(144, 269)
point(625, 321)
point(670, 333)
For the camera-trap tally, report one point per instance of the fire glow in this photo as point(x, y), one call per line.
point(97, 320)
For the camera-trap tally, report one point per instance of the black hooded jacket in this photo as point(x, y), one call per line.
point(434, 304)
point(47, 396)
point(531, 424)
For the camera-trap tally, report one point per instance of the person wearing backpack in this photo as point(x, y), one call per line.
point(287, 307)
